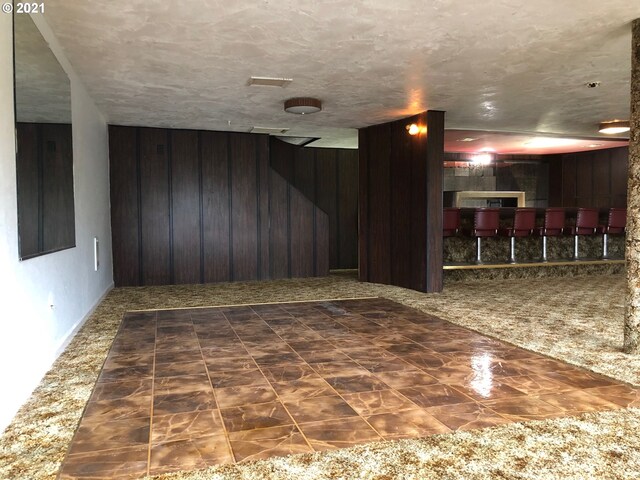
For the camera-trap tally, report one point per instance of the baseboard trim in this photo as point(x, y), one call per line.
point(66, 340)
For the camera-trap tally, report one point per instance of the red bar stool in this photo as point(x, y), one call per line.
point(616, 225)
point(524, 222)
point(586, 224)
point(485, 224)
point(451, 222)
point(553, 227)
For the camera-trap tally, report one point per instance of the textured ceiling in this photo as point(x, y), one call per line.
point(504, 65)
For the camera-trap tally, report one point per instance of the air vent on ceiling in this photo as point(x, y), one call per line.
point(269, 130)
point(269, 81)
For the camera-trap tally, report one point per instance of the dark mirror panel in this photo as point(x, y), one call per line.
point(44, 159)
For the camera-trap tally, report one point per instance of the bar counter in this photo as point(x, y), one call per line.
point(461, 249)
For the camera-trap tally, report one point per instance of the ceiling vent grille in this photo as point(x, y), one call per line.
point(269, 81)
point(269, 130)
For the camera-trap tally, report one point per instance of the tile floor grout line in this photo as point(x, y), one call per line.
point(295, 422)
point(215, 397)
point(330, 386)
point(200, 307)
point(153, 383)
point(471, 400)
point(341, 350)
point(395, 390)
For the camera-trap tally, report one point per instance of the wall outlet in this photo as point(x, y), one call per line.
point(96, 252)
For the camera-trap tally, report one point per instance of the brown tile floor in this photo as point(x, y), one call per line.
point(185, 389)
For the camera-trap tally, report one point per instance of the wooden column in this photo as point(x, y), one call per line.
point(632, 313)
point(400, 203)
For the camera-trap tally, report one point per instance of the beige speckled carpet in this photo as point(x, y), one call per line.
point(576, 319)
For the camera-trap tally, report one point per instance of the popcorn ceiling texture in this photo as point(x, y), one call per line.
point(493, 65)
point(577, 319)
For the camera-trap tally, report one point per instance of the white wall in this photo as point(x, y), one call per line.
point(32, 334)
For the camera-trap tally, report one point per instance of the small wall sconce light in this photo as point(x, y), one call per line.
point(415, 129)
point(614, 126)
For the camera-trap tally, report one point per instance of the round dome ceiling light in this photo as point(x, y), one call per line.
point(302, 105)
point(614, 126)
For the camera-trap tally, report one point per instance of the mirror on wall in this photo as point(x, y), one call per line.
point(44, 157)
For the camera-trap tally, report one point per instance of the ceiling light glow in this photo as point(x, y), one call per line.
point(614, 126)
point(482, 159)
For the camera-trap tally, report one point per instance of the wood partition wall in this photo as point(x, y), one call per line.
point(401, 203)
point(197, 206)
point(329, 178)
point(589, 179)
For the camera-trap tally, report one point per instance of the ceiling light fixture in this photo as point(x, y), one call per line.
point(594, 145)
point(302, 105)
point(467, 139)
point(482, 159)
point(415, 129)
point(614, 126)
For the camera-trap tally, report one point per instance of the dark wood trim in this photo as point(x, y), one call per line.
point(258, 212)
point(229, 183)
point(169, 150)
point(200, 205)
point(435, 156)
point(139, 184)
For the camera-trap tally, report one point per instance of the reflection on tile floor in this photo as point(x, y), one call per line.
point(186, 389)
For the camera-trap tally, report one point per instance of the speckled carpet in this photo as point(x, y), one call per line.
point(576, 319)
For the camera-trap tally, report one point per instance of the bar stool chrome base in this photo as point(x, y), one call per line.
point(605, 246)
point(544, 248)
point(512, 250)
point(478, 250)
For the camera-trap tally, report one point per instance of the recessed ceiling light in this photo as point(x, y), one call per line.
point(302, 105)
point(467, 139)
point(269, 81)
point(614, 126)
point(592, 84)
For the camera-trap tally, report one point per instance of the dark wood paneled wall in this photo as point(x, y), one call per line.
point(589, 179)
point(44, 169)
point(196, 206)
point(329, 178)
point(400, 195)
point(299, 236)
